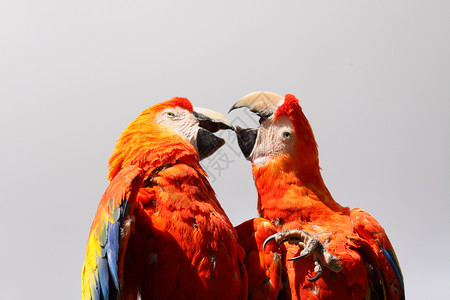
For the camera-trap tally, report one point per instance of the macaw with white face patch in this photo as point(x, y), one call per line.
point(347, 249)
point(159, 231)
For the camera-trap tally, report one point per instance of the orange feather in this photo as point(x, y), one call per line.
point(263, 268)
point(292, 194)
point(176, 241)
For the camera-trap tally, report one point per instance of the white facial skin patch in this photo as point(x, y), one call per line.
point(181, 121)
point(274, 138)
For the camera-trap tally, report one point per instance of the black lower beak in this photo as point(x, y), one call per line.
point(246, 139)
point(207, 143)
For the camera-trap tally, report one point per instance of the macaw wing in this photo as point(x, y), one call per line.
point(373, 233)
point(263, 268)
point(108, 236)
point(186, 201)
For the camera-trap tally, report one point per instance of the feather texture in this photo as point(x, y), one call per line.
point(292, 195)
point(264, 268)
point(100, 270)
point(159, 231)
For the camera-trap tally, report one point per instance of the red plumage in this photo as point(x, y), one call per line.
point(264, 268)
point(357, 257)
point(172, 238)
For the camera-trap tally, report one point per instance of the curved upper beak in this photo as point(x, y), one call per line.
point(210, 121)
point(264, 104)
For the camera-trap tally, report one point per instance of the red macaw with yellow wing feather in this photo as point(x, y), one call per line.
point(159, 231)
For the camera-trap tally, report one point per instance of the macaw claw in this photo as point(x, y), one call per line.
point(272, 238)
point(310, 245)
point(318, 269)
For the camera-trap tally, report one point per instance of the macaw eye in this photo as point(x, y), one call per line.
point(170, 114)
point(286, 135)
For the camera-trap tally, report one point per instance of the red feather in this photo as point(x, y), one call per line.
point(175, 239)
point(292, 194)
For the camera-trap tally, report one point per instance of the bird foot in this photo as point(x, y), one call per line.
point(310, 245)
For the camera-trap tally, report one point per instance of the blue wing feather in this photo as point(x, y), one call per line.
point(103, 274)
point(95, 293)
point(107, 265)
point(100, 276)
point(389, 254)
point(112, 251)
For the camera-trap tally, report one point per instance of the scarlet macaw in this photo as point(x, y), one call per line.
point(159, 231)
point(348, 249)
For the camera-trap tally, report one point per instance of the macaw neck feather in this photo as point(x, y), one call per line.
point(287, 192)
point(149, 146)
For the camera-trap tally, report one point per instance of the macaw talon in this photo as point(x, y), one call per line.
point(273, 237)
point(270, 238)
point(318, 269)
point(285, 236)
point(310, 245)
point(281, 242)
point(298, 257)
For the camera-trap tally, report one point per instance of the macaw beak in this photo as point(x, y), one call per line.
point(246, 140)
point(264, 104)
point(209, 122)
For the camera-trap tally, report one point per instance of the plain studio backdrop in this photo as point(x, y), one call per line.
point(372, 78)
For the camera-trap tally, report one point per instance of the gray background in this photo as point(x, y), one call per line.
point(372, 77)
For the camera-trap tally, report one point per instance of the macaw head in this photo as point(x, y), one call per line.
point(284, 136)
point(166, 130)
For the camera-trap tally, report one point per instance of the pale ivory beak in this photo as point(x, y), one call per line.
point(264, 104)
point(211, 120)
